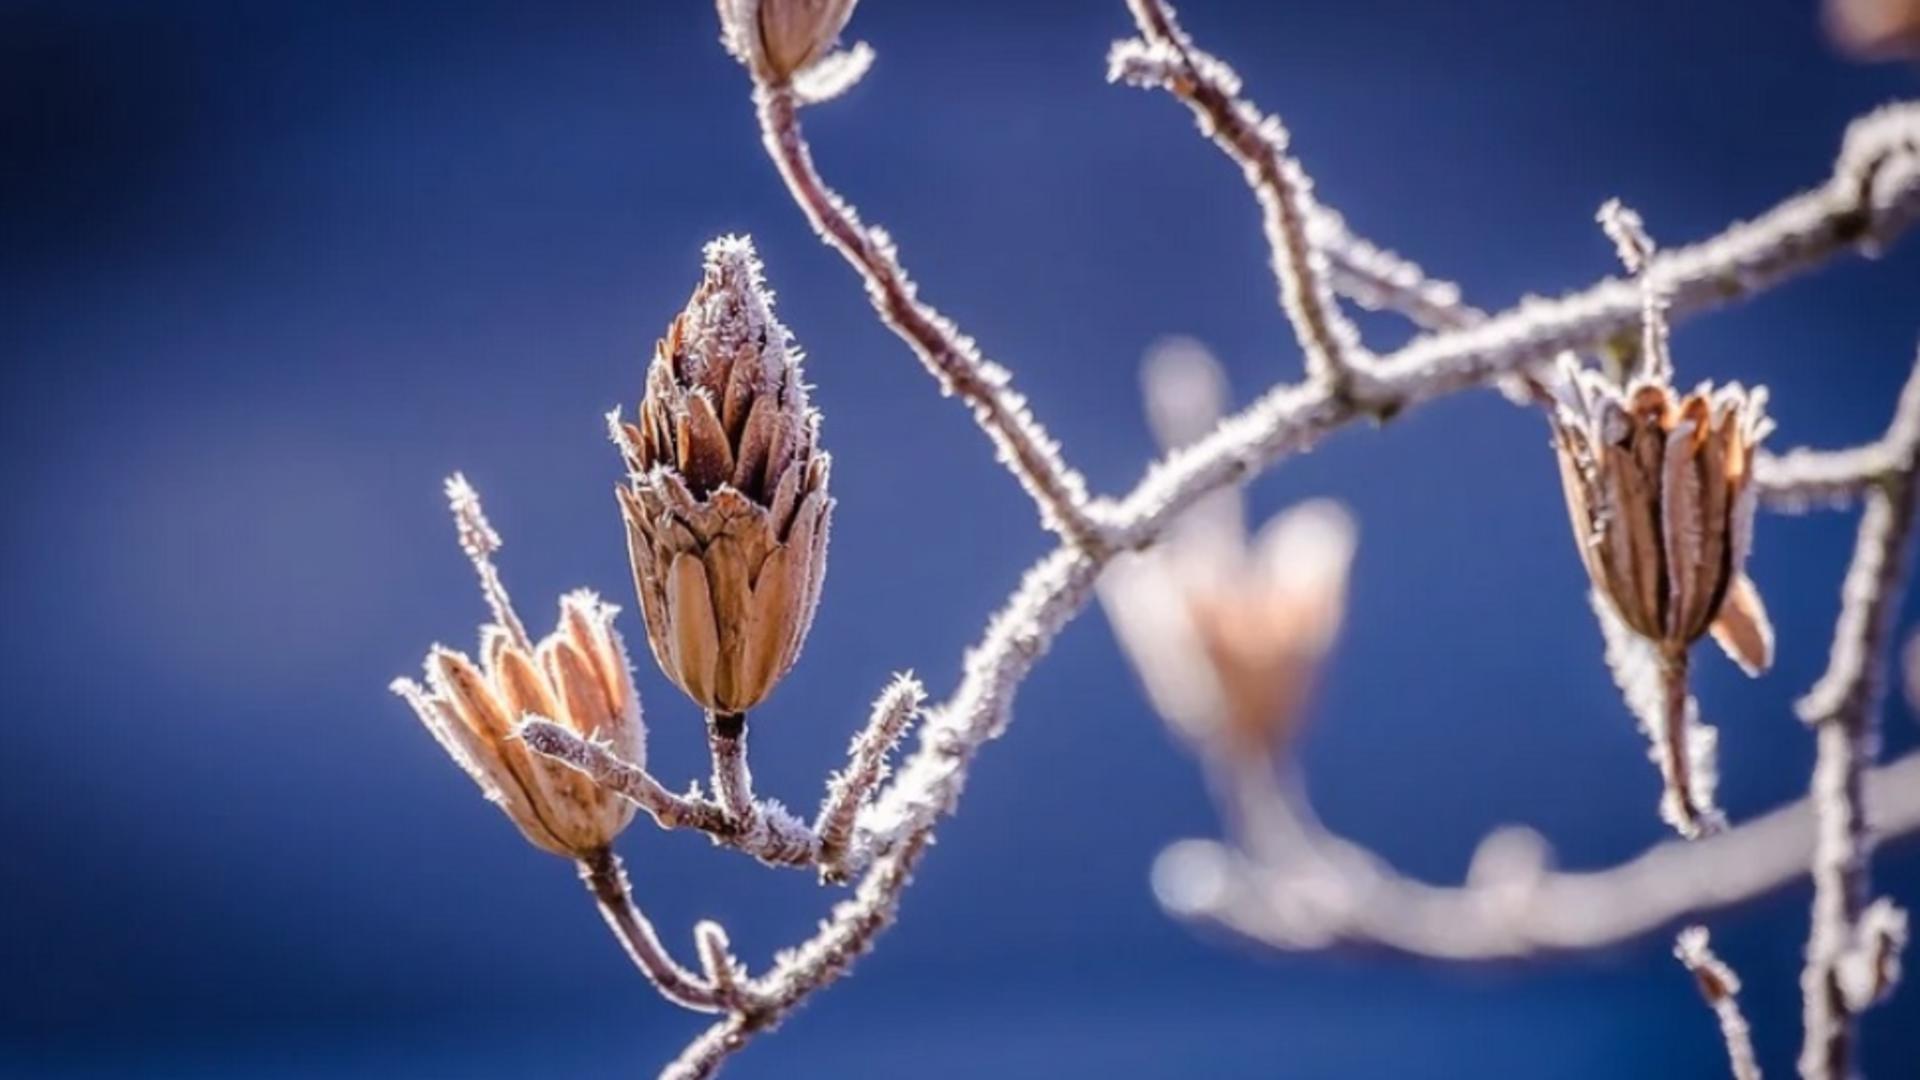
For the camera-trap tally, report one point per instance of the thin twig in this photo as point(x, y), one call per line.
point(723, 972)
point(1166, 57)
point(607, 880)
point(1721, 989)
point(1381, 280)
point(813, 965)
point(866, 768)
point(1844, 710)
point(949, 355)
point(480, 543)
point(1691, 810)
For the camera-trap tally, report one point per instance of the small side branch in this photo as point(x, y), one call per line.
point(734, 817)
point(1803, 479)
point(1721, 989)
point(607, 880)
point(1164, 56)
point(1844, 711)
point(723, 972)
point(813, 965)
point(949, 355)
point(1380, 280)
point(849, 791)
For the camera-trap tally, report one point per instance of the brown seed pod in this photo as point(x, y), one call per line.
point(1659, 491)
point(726, 503)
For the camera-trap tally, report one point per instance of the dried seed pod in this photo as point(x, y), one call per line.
point(777, 39)
point(1659, 490)
point(577, 676)
point(726, 503)
point(1659, 487)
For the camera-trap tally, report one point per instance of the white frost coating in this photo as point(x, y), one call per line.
point(833, 74)
point(737, 319)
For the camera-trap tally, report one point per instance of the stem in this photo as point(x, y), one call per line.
point(732, 780)
point(1676, 763)
point(1720, 987)
point(607, 880)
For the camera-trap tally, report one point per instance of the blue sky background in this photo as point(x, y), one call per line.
point(271, 270)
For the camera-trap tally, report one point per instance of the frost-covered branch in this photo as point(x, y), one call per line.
point(1804, 479)
point(1293, 885)
point(1165, 57)
point(1381, 280)
point(949, 354)
point(1873, 195)
point(1844, 711)
point(1720, 987)
point(813, 965)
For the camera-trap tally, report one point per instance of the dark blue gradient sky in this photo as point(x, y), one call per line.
point(271, 270)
